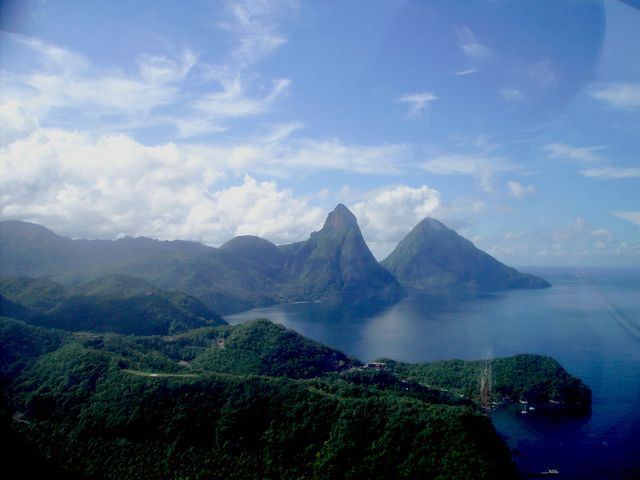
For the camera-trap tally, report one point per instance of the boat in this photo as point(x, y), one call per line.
point(552, 472)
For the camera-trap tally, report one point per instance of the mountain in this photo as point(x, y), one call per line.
point(224, 281)
point(32, 250)
point(433, 256)
point(113, 303)
point(259, 252)
point(335, 264)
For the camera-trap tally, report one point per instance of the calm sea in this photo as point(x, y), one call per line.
point(589, 321)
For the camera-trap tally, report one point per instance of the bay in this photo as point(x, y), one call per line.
point(589, 321)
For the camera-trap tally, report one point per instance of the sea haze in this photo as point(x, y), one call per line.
point(589, 321)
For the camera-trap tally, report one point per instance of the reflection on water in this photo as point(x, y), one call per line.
point(588, 321)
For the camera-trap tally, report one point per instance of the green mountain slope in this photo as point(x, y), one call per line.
point(256, 250)
point(77, 401)
point(335, 264)
point(115, 303)
point(434, 256)
point(267, 404)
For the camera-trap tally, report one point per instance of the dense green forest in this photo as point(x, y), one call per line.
point(523, 377)
point(111, 303)
point(249, 401)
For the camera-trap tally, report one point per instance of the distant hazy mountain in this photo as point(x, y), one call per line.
point(223, 280)
point(114, 303)
point(336, 264)
point(433, 256)
point(256, 250)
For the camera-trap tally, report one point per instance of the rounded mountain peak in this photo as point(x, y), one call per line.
point(431, 224)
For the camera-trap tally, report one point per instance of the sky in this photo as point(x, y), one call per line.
point(517, 123)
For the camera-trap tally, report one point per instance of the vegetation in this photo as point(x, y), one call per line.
point(522, 377)
point(110, 406)
point(335, 264)
point(113, 303)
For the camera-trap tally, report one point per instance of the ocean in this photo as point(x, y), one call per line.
point(589, 321)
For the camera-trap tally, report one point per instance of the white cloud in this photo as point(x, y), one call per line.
point(15, 122)
point(253, 22)
point(158, 69)
point(580, 154)
point(103, 186)
point(631, 216)
point(511, 94)
point(476, 51)
point(518, 190)
point(473, 50)
point(387, 215)
point(612, 172)
point(417, 102)
point(292, 157)
point(482, 167)
point(233, 101)
point(618, 95)
point(590, 155)
point(60, 85)
point(465, 71)
point(336, 155)
point(62, 80)
point(50, 56)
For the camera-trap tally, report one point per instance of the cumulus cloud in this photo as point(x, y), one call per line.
point(519, 191)
point(631, 216)
point(624, 96)
point(417, 102)
point(388, 214)
point(15, 122)
point(103, 186)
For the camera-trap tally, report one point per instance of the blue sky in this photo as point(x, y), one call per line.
point(515, 122)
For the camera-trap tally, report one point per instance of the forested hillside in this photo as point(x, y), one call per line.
point(248, 401)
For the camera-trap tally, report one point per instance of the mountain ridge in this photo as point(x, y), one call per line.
point(334, 264)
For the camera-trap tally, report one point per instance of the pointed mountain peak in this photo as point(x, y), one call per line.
point(340, 219)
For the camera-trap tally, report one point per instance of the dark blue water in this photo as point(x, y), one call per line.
point(589, 321)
